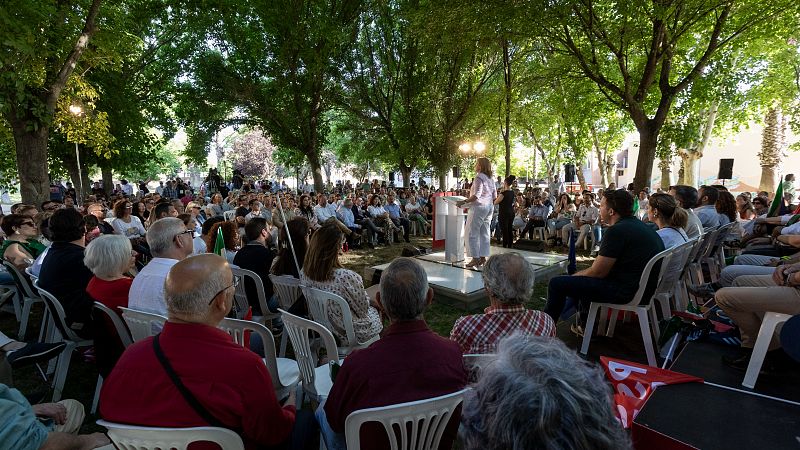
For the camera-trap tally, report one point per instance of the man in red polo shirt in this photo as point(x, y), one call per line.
point(410, 362)
point(230, 382)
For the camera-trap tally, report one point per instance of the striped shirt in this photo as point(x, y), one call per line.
point(479, 333)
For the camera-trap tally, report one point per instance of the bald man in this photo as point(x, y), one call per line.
point(230, 382)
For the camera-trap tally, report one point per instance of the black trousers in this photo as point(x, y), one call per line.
point(507, 230)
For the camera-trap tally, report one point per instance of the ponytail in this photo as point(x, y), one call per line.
point(679, 219)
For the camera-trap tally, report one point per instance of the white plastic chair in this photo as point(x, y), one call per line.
point(765, 333)
point(681, 292)
point(636, 305)
point(132, 437)
point(229, 215)
point(241, 298)
point(419, 425)
point(284, 372)
point(124, 337)
point(715, 257)
point(671, 278)
point(27, 297)
point(142, 324)
point(287, 289)
point(320, 304)
point(316, 379)
point(72, 340)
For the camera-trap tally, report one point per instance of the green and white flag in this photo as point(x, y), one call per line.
point(219, 244)
point(776, 202)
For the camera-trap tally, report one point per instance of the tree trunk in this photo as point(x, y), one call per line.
point(579, 173)
point(666, 173)
point(71, 165)
point(34, 178)
point(108, 177)
point(648, 138)
point(443, 180)
point(689, 174)
point(770, 154)
point(507, 129)
point(405, 171)
point(316, 170)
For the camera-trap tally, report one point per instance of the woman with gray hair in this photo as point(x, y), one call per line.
point(538, 394)
point(110, 258)
point(508, 279)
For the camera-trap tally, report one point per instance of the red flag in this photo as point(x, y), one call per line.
point(633, 383)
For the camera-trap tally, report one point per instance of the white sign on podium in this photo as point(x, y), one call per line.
point(450, 224)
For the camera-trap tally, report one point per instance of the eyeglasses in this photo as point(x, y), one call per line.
point(184, 232)
point(232, 285)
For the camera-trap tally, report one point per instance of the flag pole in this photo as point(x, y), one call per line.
point(288, 234)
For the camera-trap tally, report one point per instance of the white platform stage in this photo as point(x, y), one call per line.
point(461, 287)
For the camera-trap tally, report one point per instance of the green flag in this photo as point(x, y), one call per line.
point(776, 202)
point(219, 244)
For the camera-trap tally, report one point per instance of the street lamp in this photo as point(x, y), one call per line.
point(472, 150)
point(77, 111)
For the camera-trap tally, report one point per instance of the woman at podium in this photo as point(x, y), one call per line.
point(480, 202)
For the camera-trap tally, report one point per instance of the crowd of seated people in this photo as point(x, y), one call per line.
point(150, 251)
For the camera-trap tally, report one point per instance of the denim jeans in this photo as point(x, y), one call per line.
point(333, 440)
point(582, 290)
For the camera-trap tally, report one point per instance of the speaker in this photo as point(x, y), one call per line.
point(569, 173)
point(530, 245)
point(391, 177)
point(456, 172)
point(725, 169)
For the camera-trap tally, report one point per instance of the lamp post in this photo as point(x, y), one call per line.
point(77, 111)
point(472, 150)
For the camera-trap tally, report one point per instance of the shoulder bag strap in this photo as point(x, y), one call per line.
point(187, 395)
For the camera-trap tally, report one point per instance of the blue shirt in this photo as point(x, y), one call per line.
point(19, 427)
point(393, 209)
point(708, 216)
point(539, 211)
point(346, 216)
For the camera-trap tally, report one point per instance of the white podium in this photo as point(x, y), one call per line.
point(450, 224)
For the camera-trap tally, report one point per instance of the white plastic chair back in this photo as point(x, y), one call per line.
point(229, 215)
point(119, 325)
point(58, 315)
point(323, 302)
point(237, 328)
point(131, 437)
point(673, 268)
point(24, 300)
point(415, 425)
point(664, 258)
point(142, 324)
point(58, 318)
point(287, 288)
point(307, 358)
point(30, 274)
point(240, 296)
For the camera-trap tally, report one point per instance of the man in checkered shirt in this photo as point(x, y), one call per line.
point(508, 280)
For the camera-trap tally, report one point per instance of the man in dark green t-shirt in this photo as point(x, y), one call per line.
point(627, 246)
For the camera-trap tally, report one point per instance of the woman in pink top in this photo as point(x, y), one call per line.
point(479, 218)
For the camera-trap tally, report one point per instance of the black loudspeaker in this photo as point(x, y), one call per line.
point(530, 245)
point(456, 172)
point(391, 177)
point(725, 169)
point(569, 173)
